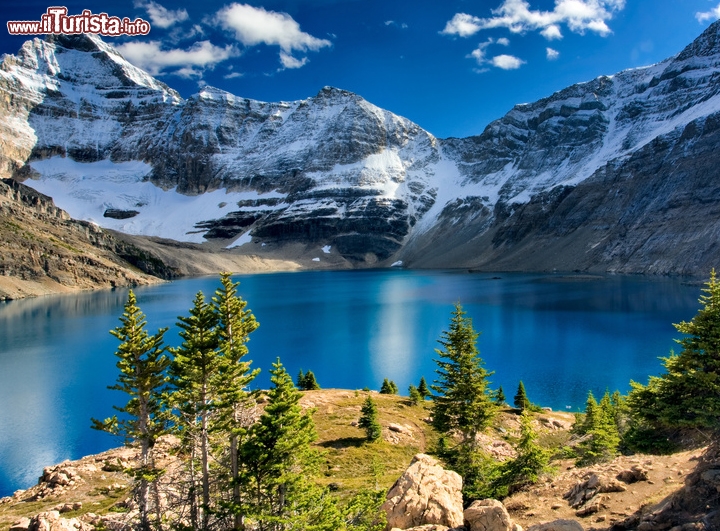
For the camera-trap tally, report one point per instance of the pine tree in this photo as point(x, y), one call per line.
point(423, 388)
point(500, 396)
point(414, 394)
point(142, 365)
point(388, 387)
point(309, 382)
point(234, 408)
point(300, 380)
point(369, 420)
point(600, 425)
point(521, 401)
point(462, 401)
point(192, 373)
point(687, 395)
point(279, 464)
point(531, 461)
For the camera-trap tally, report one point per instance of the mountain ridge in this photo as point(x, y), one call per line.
point(334, 171)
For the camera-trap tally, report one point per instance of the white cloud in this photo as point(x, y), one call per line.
point(463, 25)
point(516, 15)
point(232, 75)
point(185, 63)
point(507, 62)
point(255, 25)
point(288, 61)
point(552, 32)
point(161, 16)
point(551, 54)
point(714, 13)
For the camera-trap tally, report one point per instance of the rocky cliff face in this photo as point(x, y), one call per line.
point(612, 174)
point(43, 251)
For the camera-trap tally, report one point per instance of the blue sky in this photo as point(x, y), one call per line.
point(451, 66)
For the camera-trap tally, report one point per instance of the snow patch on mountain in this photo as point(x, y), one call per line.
point(87, 190)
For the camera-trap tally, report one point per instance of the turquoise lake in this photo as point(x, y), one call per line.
point(562, 335)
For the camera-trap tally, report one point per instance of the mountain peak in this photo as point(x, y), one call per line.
point(706, 45)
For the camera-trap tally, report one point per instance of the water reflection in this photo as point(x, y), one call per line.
point(561, 335)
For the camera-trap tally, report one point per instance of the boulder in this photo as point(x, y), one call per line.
point(426, 493)
point(51, 521)
point(21, 525)
point(633, 475)
point(557, 525)
point(426, 527)
point(487, 515)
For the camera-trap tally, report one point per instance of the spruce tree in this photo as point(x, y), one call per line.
point(234, 408)
point(388, 387)
point(461, 401)
point(280, 463)
point(309, 382)
point(192, 373)
point(602, 431)
point(369, 420)
point(423, 388)
point(687, 395)
point(414, 394)
point(521, 401)
point(500, 396)
point(300, 380)
point(142, 365)
point(531, 461)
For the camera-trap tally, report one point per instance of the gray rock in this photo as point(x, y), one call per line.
point(425, 494)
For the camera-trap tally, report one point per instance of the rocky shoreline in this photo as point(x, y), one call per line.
point(677, 492)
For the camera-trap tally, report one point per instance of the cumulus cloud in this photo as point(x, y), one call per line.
point(551, 54)
point(160, 16)
point(393, 23)
point(516, 15)
point(507, 62)
point(713, 14)
point(254, 25)
point(184, 63)
point(462, 25)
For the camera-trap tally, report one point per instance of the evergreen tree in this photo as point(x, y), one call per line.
point(591, 415)
point(369, 420)
point(521, 401)
point(234, 408)
point(600, 425)
point(462, 401)
point(192, 373)
point(309, 383)
point(531, 461)
point(687, 395)
point(300, 380)
point(500, 396)
point(414, 394)
point(142, 365)
point(423, 388)
point(388, 387)
point(280, 463)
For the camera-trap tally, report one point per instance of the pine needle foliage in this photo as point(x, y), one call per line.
point(142, 363)
point(521, 401)
point(280, 463)
point(687, 395)
point(461, 402)
point(369, 420)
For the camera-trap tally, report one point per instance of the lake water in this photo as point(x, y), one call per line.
point(561, 335)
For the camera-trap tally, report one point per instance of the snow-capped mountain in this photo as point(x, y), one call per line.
point(578, 180)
